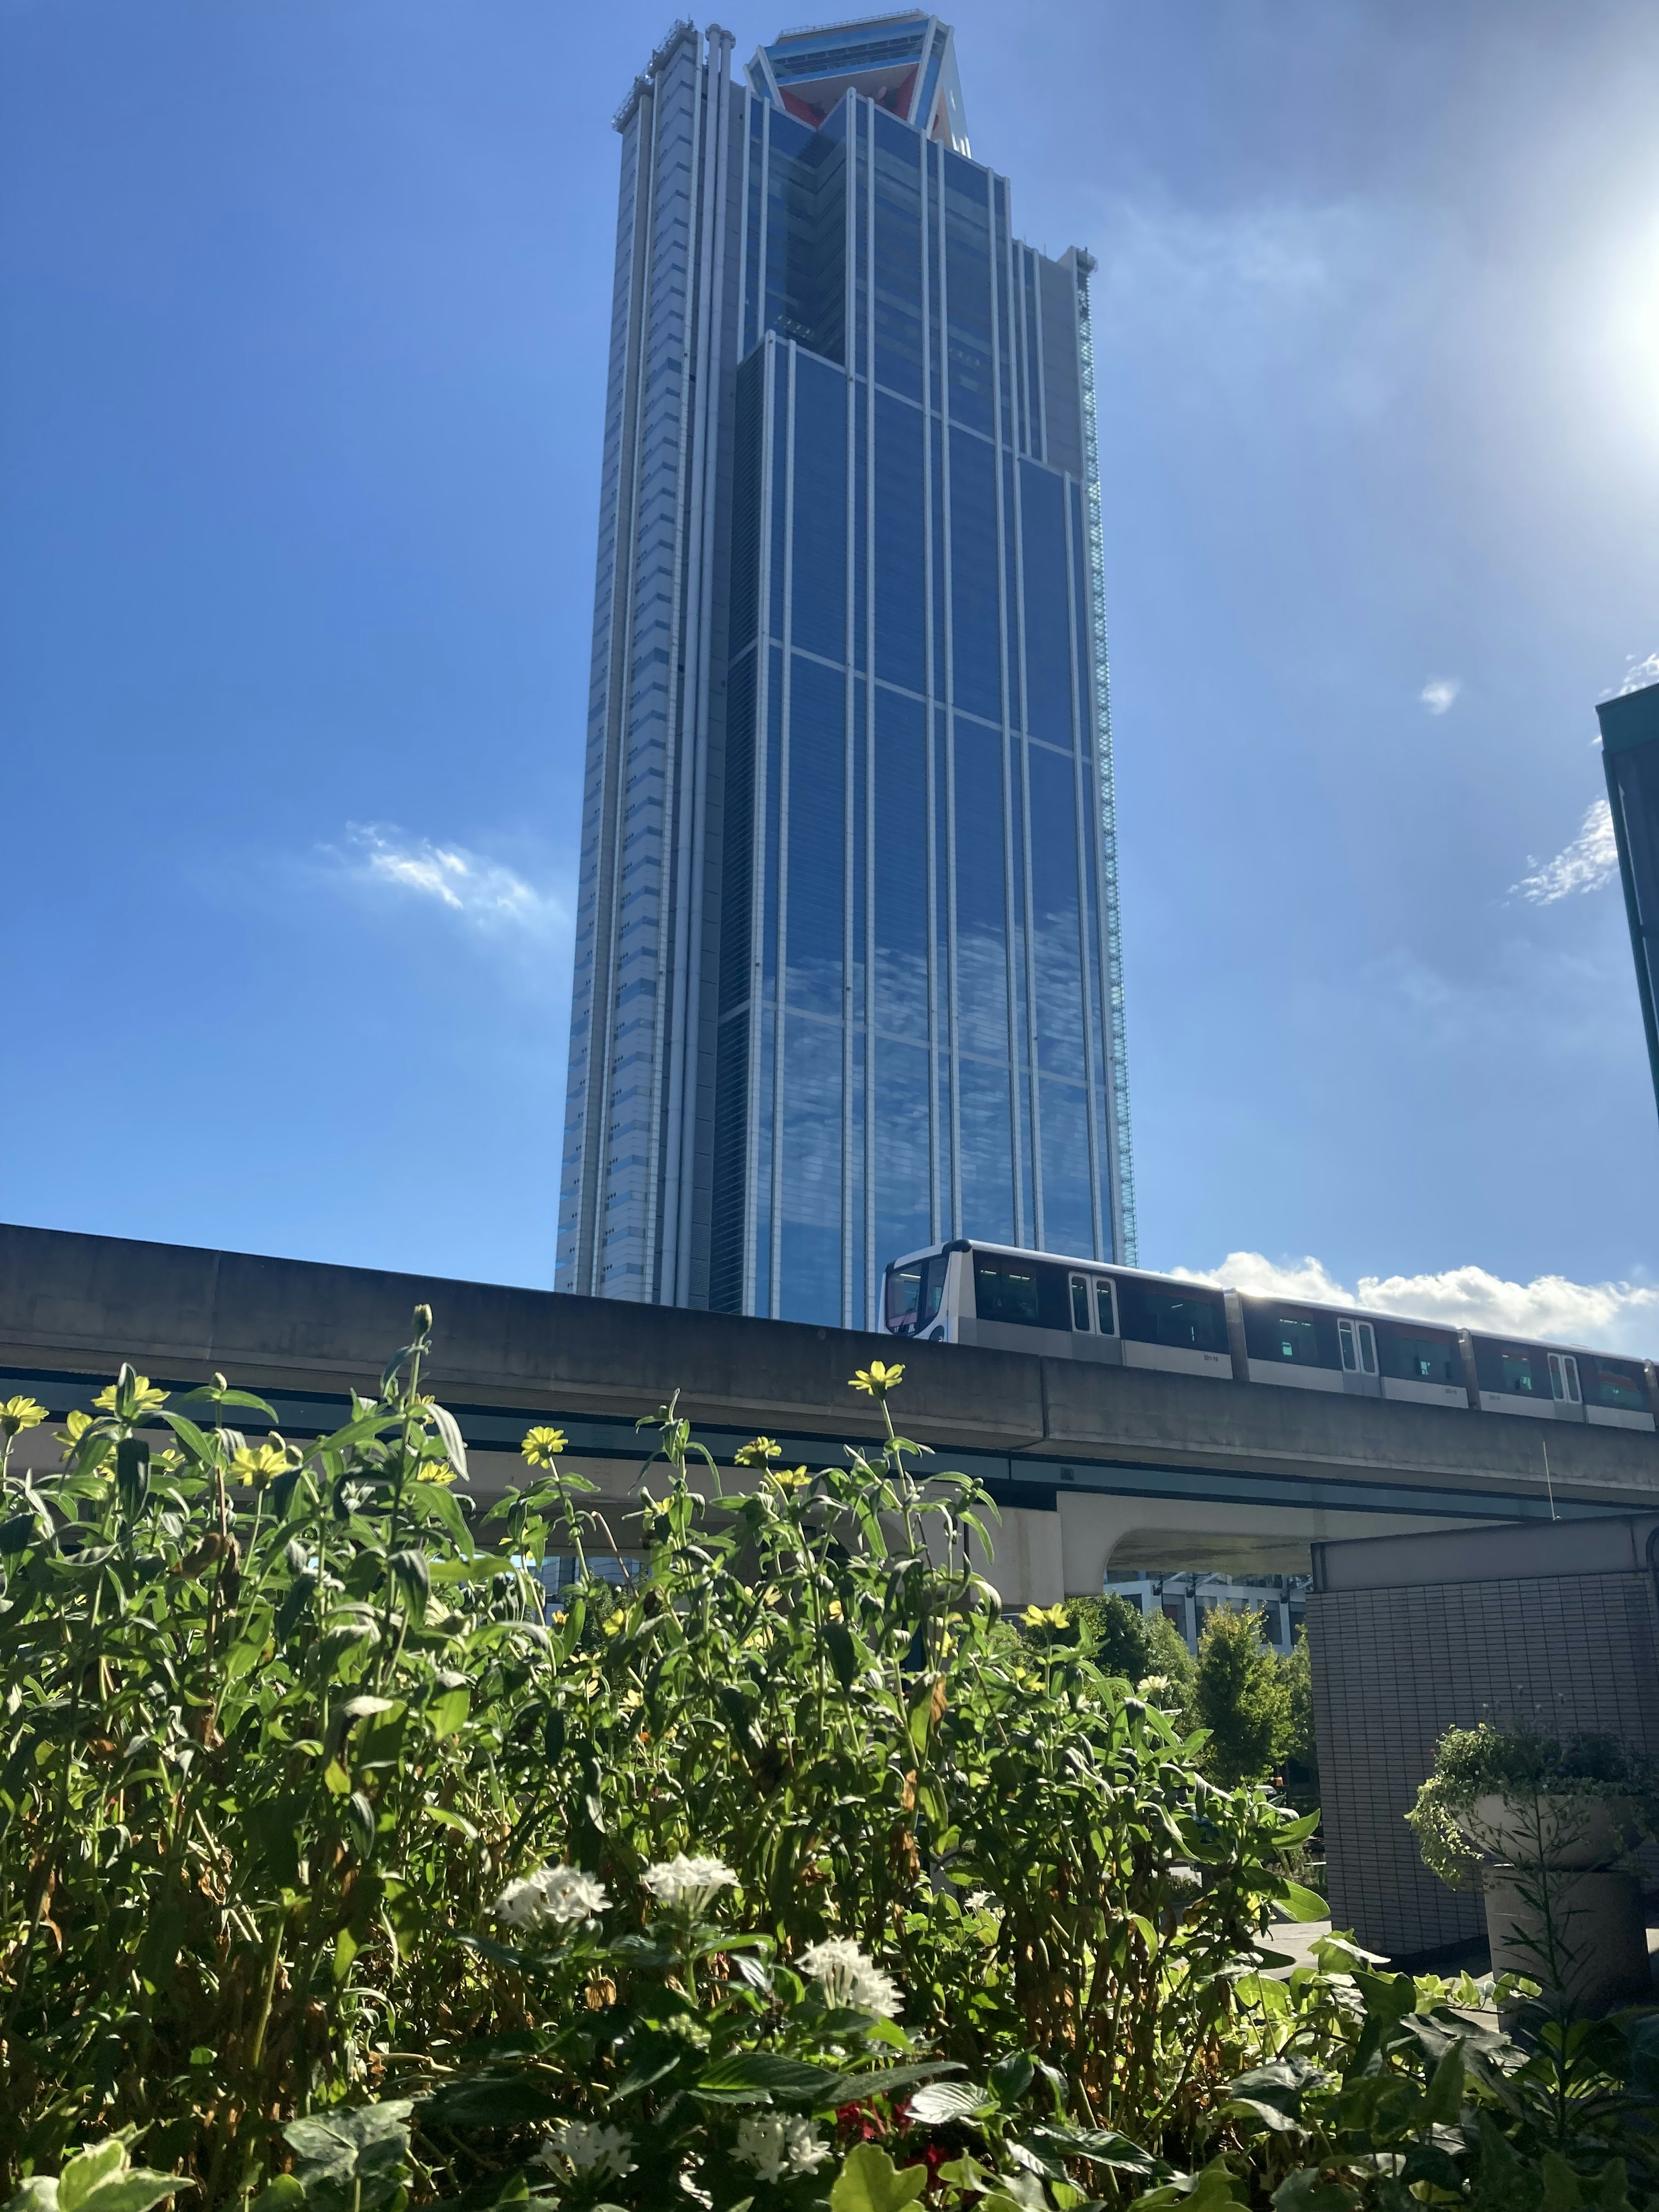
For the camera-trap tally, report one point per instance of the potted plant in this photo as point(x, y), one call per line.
point(1548, 1826)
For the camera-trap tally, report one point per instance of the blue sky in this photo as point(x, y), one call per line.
point(302, 354)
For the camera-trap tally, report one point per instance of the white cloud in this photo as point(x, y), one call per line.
point(1610, 1316)
point(1590, 861)
point(485, 895)
point(1439, 691)
point(1639, 675)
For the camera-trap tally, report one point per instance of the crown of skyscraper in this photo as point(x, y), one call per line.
point(906, 63)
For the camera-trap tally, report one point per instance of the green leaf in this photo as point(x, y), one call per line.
point(136, 2191)
point(1011, 2077)
point(870, 2182)
point(745, 2076)
point(445, 1818)
point(1299, 1903)
point(282, 2194)
point(1444, 2098)
point(83, 2173)
point(489, 2100)
point(937, 2103)
point(447, 1714)
point(1102, 2146)
point(886, 2081)
point(38, 2194)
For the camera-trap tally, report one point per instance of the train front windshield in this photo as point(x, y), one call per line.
point(913, 1292)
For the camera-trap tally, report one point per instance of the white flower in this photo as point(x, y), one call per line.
point(981, 1900)
point(589, 2148)
point(690, 1882)
point(778, 2144)
point(849, 1978)
point(554, 1896)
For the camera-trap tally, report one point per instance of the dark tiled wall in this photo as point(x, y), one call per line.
point(1394, 1668)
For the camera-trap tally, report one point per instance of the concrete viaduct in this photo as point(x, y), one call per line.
point(1090, 1465)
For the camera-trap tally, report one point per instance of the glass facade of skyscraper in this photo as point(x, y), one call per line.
point(846, 974)
point(1630, 755)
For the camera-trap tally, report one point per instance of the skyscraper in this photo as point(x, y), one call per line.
point(1630, 755)
point(847, 971)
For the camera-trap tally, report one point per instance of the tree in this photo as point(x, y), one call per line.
point(1115, 1635)
point(1299, 1751)
point(1240, 1697)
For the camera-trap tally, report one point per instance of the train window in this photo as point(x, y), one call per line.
point(1005, 1290)
point(1080, 1301)
point(932, 1289)
point(1296, 1340)
point(1031, 1293)
point(1193, 1321)
point(1607, 1383)
point(1514, 1374)
point(1103, 1306)
point(1415, 1356)
point(903, 1296)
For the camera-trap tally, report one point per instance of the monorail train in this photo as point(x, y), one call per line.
point(1012, 1301)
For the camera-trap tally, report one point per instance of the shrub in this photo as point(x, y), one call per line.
point(1240, 1697)
point(1524, 1766)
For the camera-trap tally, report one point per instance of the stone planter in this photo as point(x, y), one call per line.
point(1557, 1910)
point(1581, 1934)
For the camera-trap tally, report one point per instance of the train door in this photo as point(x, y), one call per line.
point(1082, 1314)
point(1358, 1341)
point(1563, 1379)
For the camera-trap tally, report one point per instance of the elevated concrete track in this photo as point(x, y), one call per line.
point(1091, 1465)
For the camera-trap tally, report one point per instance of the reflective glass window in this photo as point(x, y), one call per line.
point(1048, 630)
point(968, 294)
point(817, 778)
point(982, 905)
point(1511, 1370)
point(901, 608)
point(1105, 1314)
point(809, 1248)
point(896, 256)
point(1615, 1382)
point(1418, 1355)
point(1291, 1338)
point(975, 613)
point(988, 1162)
point(1080, 1303)
point(1193, 1320)
point(901, 866)
point(903, 1296)
point(901, 1158)
point(819, 564)
point(1062, 1010)
point(1068, 1218)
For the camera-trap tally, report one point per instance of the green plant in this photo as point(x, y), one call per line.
point(1528, 1768)
point(1240, 1697)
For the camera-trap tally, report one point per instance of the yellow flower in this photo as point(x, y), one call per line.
point(75, 1426)
point(19, 1414)
point(757, 1454)
point(435, 1470)
point(878, 1379)
point(143, 1396)
point(543, 1446)
point(789, 1478)
point(259, 1463)
point(1053, 1616)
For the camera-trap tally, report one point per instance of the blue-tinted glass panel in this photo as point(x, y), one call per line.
point(765, 1118)
point(902, 1167)
point(968, 294)
point(897, 256)
point(1048, 632)
point(901, 526)
point(1062, 1010)
point(901, 872)
point(810, 1260)
point(982, 905)
point(817, 782)
point(988, 1178)
point(1068, 1219)
point(819, 576)
point(976, 623)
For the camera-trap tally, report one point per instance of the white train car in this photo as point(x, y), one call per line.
point(1009, 1300)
